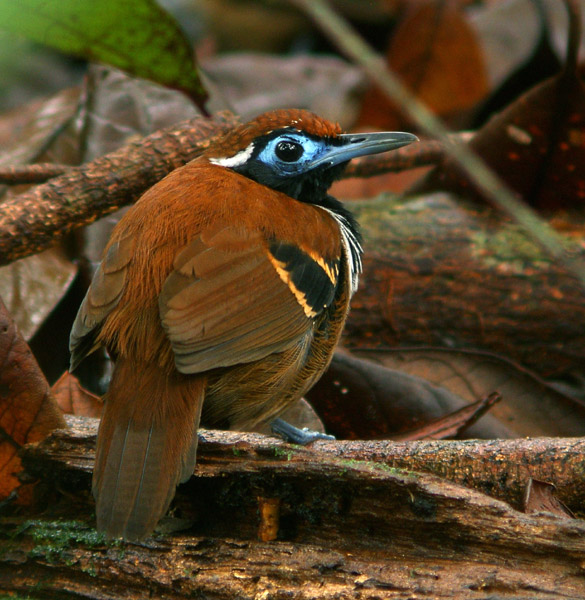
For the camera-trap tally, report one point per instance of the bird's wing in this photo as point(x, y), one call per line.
point(103, 295)
point(235, 297)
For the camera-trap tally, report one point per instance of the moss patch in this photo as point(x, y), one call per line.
point(52, 538)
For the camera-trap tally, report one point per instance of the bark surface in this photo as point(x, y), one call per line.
point(349, 525)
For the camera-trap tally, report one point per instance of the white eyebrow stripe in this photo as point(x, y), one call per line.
point(234, 161)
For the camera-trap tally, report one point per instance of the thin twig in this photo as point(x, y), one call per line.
point(573, 9)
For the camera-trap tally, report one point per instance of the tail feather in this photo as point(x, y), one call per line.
point(147, 444)
point(189, 457)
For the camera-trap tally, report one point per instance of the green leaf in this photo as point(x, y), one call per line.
point(137, 36)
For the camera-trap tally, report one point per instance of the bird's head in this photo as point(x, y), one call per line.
point(297, 152)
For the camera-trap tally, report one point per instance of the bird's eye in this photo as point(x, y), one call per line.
point(288, 151)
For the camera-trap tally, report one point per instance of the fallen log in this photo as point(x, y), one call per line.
point(348, 525)
point(441, 272)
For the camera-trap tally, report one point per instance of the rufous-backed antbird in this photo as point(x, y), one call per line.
point(221, 294)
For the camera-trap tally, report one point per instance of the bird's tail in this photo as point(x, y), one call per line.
point(146, 445)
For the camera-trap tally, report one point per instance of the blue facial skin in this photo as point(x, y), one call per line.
point(304, 166)
point(285, 147)
point(285, 160)
point(289, 145)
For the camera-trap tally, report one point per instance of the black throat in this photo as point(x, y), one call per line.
point(310, 187)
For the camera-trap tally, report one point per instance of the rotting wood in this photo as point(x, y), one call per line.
point(499, 468)
point(349, 528)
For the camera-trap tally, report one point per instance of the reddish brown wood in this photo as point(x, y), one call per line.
point(349, 528)
point(37, 173)
point(441, 272)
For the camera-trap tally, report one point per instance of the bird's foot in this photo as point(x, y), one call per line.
point(294, 435)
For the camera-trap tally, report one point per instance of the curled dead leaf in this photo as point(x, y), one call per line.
point(359, 399)
point(73, 399)
point(28, 412)
point(540, 497)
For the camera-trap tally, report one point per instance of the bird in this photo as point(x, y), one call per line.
point(220, 297)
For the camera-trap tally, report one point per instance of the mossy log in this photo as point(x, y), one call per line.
point(343, 526)
point(446, 273)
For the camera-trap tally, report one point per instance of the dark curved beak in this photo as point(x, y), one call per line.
point(351, 145)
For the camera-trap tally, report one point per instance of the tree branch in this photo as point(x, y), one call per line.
point(73, 197)
point(36, 219)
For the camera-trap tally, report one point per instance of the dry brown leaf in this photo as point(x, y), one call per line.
point(32, 287)
point(530, 407)
point(359, 399)
point(28, 134)
point(27, 410)
point(73, 399)
point(535, 145)
point(436, 53)
point(44, 131)
point(540, 497)
point(452, 424)
point(253, 83)
point(527, 52)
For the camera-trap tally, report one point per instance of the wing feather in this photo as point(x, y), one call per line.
point(104, 293)
point(229, 300)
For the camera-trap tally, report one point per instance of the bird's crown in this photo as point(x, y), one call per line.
point(301, 121)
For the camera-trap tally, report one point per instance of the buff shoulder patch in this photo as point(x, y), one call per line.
point(312, 279)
